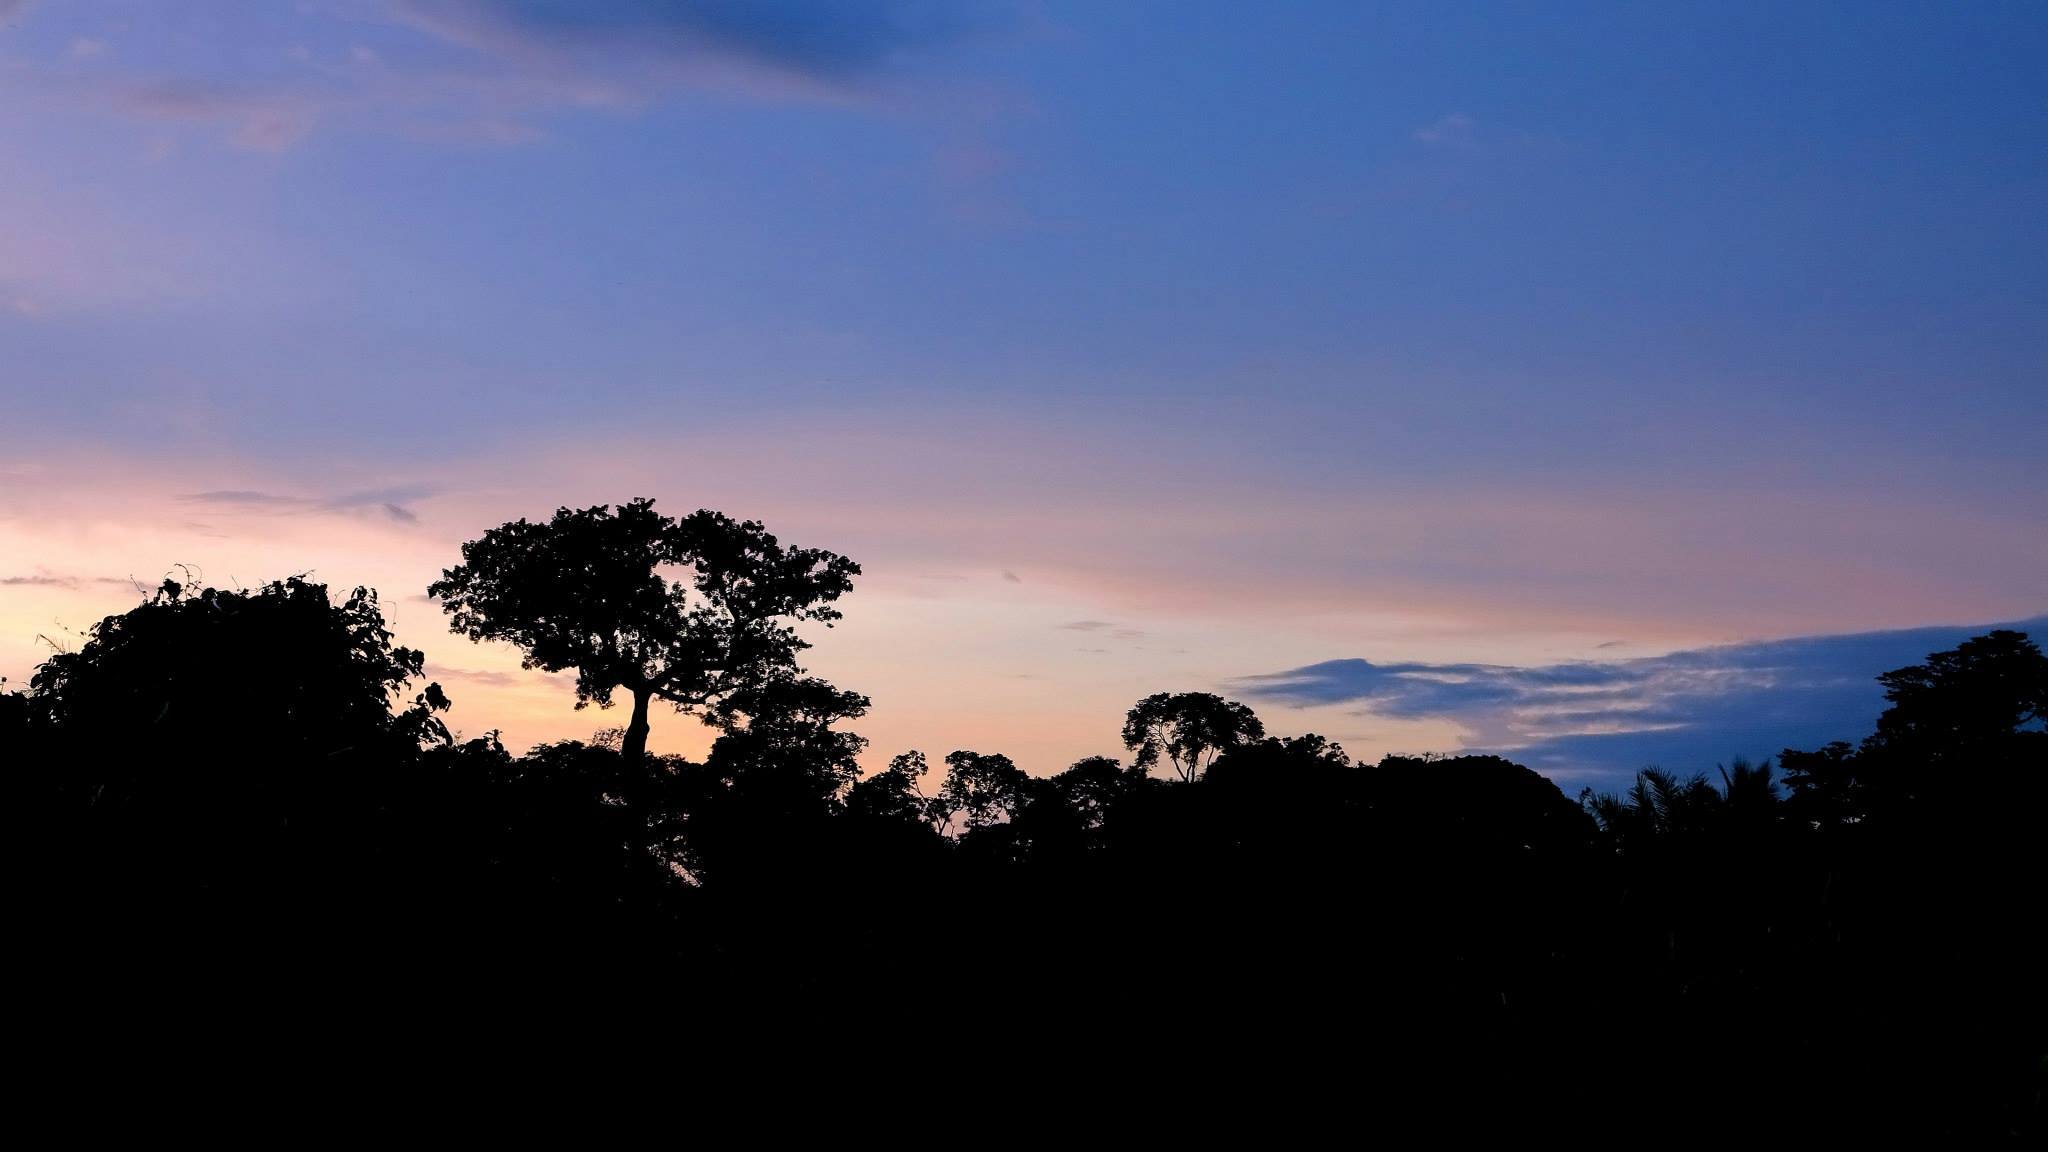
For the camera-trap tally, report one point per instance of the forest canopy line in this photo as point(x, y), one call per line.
point(262, 772)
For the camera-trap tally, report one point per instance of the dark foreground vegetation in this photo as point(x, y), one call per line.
point(255, 789)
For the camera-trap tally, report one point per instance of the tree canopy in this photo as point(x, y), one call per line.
point(1189, 728)
point(688, 611)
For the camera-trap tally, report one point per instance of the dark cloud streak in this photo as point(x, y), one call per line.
point(386, 502)
point(482, 71)
point(241, 496)
point(54, 580)
point(825, 43)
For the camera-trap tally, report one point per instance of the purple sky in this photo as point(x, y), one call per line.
point(1130, 347)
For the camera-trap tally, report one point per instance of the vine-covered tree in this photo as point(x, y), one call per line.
point(212, 670)
point(246, 748)
point(689, 611)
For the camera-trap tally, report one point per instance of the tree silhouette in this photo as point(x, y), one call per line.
point(779, 740)
point(219, 769)
point(1967, 722)
point(1658, 804)
point(1094, 786)
point(1985, 689)
point(895, 794)
point(240, 668)
point(591, 590)
point(1190, 728)
point(982, 790)
point(1825, 793)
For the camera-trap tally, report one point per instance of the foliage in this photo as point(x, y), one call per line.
point(688, 611)
point(1189, 728)
point(282, 662)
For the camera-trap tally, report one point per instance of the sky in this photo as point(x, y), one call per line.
point(1407, 370)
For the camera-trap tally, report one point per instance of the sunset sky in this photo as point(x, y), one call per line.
point(1514, 377)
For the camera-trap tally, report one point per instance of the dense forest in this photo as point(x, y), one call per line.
point(1847, 939)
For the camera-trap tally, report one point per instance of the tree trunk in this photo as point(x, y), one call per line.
point(634, 746)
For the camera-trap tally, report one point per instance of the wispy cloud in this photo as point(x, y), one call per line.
point(1447, 131)
point(232, 496)
point(1103, 627)
point(43, 578)
point(486, 678)
point(38, 581)
point(1685, 710)
point(387, 503)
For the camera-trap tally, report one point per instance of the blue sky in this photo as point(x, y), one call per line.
point(1278, 334)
